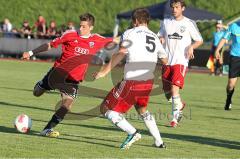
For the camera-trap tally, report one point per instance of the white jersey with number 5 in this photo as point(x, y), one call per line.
point(178, 37)
point(142, 53)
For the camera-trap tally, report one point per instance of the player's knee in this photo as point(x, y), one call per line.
point(114, 116)
point(67, 101)
point(37, 92)
point(168, 95)
point(140, 110)
point(231, 85)
point(103, 109)
point(146, 115)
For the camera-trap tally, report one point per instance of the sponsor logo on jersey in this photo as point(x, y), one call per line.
point(91, 44)
point(175, 36)
point(79, 50)
point(182, 29)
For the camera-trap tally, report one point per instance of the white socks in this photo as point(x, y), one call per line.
point(152, 127)
point(177, 102)
point(120, 121)
point(176, 107)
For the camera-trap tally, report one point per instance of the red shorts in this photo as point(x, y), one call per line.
point(128, 93)
point(173, 75)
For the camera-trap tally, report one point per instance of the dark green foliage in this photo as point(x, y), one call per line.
point(105, 11)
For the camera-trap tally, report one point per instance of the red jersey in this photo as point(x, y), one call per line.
point(75, 50)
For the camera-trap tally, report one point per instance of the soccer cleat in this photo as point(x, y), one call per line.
point(173, 123)
point(50, 133)
point(130, 140)
point(170, 100)
point(184, 104)
point(180, 114)
point(162, 146)
point(228, 106)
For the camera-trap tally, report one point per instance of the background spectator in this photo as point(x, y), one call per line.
point(70, 26)
point(6, 26)
point(52, 30)
point(216, 64)
point(41, 27)
point(62, 29)
point(26, 30)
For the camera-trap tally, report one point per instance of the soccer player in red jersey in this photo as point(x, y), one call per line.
point(77, 49)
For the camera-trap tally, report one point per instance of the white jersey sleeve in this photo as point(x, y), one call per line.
point(125, 40)
point(160, 50)
point(161, 32)
point(194, 32)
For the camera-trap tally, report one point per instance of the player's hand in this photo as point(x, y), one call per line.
point(221, 61)
point(162, 40)
point(164, 61)
point(217, 55)
point(98, 75)
point(116, 39)
point(26, 56)
point(190, 54)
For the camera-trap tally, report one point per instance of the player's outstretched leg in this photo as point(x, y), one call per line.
point(42, 86)
point(119, 120)
point(59, 115)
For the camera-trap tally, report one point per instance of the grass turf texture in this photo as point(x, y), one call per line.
point(207, 131)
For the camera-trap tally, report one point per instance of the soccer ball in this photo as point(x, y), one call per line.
point(23, 123)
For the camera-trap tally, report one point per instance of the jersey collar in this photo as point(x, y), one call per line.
point(86, 36)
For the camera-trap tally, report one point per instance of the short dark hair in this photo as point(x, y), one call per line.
point(87, 17)
point(183, 4)
point(141, 15)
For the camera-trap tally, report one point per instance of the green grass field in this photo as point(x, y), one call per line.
point(207, 131)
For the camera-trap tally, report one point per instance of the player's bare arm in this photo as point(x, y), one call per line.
point(164, 61)
point(116, 58)
point(41, 48)
point(162, 40)
point(192, 47)
point(220, 45)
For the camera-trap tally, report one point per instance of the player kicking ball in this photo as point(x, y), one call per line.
point(142, 48)
point(76, 47)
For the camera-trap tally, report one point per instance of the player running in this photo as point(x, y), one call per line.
point(177, 33)
point(76, 47)
point(142, 48)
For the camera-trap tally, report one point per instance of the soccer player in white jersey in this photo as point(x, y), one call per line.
point(142, 49)
point(176, 34)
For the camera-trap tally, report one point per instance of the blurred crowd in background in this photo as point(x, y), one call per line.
point(39, 29)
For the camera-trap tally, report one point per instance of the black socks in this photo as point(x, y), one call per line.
point(57, 117)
